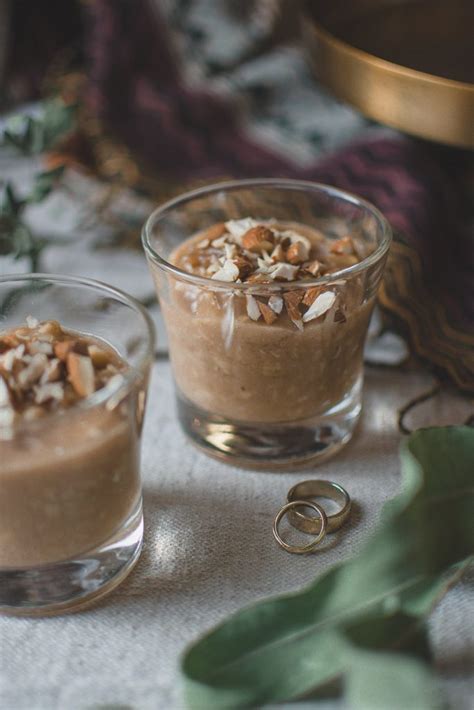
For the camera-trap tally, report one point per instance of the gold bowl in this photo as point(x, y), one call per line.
point(406, 63)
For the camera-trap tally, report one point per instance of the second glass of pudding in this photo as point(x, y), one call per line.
point(267, 287)
point(75, 357)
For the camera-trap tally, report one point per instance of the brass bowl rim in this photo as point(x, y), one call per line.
point(384, 64)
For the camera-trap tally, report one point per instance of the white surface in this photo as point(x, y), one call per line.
point(208, 551)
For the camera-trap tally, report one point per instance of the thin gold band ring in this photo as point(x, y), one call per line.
point(322, 520)
point(307, 490)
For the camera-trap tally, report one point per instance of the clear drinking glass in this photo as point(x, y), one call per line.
point(249, 392)
point(71, 521)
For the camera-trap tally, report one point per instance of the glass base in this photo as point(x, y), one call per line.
point(272, 446)
point(68, 586)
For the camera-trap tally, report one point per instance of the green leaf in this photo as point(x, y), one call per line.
point(367, 611)
point(44, 184)
point(35, 134)
point(10, 204)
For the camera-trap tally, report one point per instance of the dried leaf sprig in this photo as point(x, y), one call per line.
point(31, 135)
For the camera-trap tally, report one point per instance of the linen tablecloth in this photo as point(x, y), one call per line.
point(208, 551)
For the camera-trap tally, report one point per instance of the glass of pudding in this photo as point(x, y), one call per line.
point(75, 357)
point(267, 287)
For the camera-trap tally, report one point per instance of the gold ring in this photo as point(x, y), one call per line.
point(295, 549)
point(306, 490)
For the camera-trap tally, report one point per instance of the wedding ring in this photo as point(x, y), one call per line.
point(322, 521)
point(307, 490)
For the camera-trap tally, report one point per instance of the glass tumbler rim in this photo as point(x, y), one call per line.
point(281, 183)
point(131, 375)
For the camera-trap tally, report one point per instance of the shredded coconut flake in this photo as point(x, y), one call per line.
point(253, 310)
point(320, 305)
point(276, 304)
point(228, 272)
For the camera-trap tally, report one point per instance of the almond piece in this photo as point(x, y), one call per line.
point(278, 254)
point(310, 295)
point(342, 246)
point(312, 267)
point(292, 301)
point(81, 374)
point(50, 390)
point(214, 232)
point(4, 393)
point(244, 266)
point(238, 227)
point(258, 239)
point(269, 315)
point(286, 272)
point(228, 272)
point(63, 348)
point(100, 358)
point(297, 253)
point(259, 278)
point(33, 371)
point(53, 371)
point(37, 346)
point(50, 327)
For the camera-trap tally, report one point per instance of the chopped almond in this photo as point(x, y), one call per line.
point(100, 358)
point(258, 239)
point(269, 316)
point(310, 295)
point(216, 231)
point(63, 348)
point(297, 253)
point(278, 254)
point(312, 267)
point(244, 266)
point(343, 246)
point(81, 374)
point(292, 301)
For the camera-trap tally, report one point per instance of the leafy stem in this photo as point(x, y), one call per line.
point(31, 135)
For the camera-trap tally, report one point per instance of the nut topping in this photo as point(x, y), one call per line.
point(245, 251)
point(297, 253)
point(253, 310)
point(269, 315)
point(258, 239)
point(43, 368)
point(292, 301)
point(343, 246)
point(81, 374)
point(322, 304)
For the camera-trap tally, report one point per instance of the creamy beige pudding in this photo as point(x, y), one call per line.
point(280, 349)
point(69, 472)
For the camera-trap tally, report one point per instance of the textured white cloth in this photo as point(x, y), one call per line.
point(208, 551)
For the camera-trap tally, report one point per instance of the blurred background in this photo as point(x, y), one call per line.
point(108, 107)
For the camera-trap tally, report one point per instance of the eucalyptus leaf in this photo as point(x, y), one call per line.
point(33, 135)
point(10, 204)
point(363, 621)
point(44, 184)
